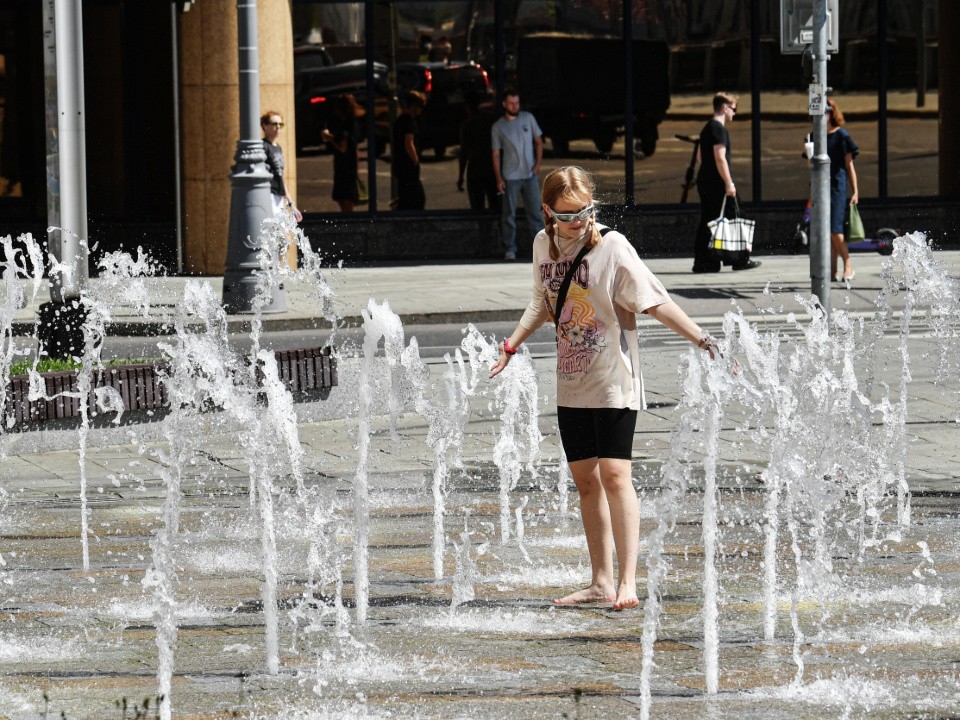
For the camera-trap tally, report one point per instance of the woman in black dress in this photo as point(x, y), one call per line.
point(343, 135)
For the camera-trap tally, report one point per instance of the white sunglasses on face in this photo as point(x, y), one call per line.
point(569, 217)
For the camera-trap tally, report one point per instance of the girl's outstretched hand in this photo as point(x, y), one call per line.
point(709, 343)
point(712, 346)
point(501, 362)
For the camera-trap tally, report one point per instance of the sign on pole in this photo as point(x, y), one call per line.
point(818, 99)
point(797, 27)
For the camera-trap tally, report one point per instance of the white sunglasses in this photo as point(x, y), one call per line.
point(574, 216)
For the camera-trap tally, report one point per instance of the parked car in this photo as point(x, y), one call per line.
point(311, 57)
point(318, 82)
point(446, 86)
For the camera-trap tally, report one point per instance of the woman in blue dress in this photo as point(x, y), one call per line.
point(842, 150)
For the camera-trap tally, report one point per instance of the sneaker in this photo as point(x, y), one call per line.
point(710, 269)
point(510, 256)
point(749, 265)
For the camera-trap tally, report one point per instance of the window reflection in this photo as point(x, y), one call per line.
point(11, 140)
point(330, 63)
point(433, 49)
point(913, 101)
point(566, 58)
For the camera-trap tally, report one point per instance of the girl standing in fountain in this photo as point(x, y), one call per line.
point(599, 385)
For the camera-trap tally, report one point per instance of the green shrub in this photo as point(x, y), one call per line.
point(59, 364)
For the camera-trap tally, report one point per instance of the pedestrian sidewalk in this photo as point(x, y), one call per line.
point(485, 292)
point(784, 103)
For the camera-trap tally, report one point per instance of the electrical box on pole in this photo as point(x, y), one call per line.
point(797, 27)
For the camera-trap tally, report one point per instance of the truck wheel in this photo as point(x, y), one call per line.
point(604, 140)
point(648, 144)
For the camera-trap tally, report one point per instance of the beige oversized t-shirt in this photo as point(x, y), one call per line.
point(598, 358)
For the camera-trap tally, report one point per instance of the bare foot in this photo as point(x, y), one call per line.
point(591, 594)
point(626, 598)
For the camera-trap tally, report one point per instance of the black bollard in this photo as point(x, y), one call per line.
point(60, 328)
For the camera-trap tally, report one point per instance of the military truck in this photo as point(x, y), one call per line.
point(574, 86)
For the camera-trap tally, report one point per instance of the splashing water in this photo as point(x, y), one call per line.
point(378, 322)
point(16, 266)
point(465, 572)
point(835, 449)
point(519, 441)
point(417, 373)
point(811, 408)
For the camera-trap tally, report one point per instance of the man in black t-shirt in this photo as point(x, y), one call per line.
point(714, 182)
point(405, 154)
point(474, 160)
point(271, 123)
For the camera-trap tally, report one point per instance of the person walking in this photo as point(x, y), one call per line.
point(271, 123)
point(599, 382)
point(405, 154)
point(474, 158)
point(714, 183)
point(343, 135)
point(517, 147)
point(841, 149)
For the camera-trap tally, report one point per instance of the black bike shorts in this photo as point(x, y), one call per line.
point(597, 432)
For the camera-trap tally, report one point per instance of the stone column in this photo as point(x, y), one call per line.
point(209, 114)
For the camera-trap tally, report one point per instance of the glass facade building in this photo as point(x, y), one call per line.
point(618, 86)
point(568, 60)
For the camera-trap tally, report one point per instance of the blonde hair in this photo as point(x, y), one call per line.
point(575, 185)
point(721, 99)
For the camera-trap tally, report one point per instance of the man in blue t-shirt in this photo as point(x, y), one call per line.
point(517, 144)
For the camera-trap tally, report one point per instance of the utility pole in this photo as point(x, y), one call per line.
point(61, 319)
point(820, 271)
point(250, 202)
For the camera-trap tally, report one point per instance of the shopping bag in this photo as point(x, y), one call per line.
point(731, 234)
point(855, 232)
point(363, 196)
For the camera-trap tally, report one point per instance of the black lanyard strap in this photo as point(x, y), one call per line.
point(567, 279)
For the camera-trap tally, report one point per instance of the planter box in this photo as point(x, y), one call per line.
point(302, 370)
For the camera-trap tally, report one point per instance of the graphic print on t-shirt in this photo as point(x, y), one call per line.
point(582, 336)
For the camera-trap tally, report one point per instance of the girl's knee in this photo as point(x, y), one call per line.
point(618, 483)
point(588, 485)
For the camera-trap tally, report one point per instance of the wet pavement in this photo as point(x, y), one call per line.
point(876, 636)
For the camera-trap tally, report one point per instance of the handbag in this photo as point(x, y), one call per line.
point(731, 234)
point(362, 196)
point(855, 231)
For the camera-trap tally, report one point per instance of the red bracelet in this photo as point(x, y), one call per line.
point(506, 347)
